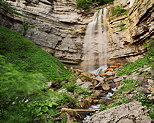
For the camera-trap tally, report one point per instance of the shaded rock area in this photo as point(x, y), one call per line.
point(132, 112)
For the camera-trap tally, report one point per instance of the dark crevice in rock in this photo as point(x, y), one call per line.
point(146, 15)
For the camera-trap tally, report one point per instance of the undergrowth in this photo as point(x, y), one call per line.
point(24, 71)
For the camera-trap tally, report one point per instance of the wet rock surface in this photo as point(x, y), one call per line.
point(132, 112)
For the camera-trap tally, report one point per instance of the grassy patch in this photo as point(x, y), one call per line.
point(27, 57)
point(141, 97)
point(24, 69)
point(128, 68)
point(128, 85)
point(119, 101)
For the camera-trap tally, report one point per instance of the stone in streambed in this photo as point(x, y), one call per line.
point(86, 85)
point(100, 79)
point(106, 87)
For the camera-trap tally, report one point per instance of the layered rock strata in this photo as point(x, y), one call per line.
point(59, 28)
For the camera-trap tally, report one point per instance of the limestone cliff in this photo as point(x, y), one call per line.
point(129, 32)
point(54, 26)
point(59, 28)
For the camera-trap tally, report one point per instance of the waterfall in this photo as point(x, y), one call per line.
point(95, 42)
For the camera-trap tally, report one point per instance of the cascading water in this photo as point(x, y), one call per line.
point(95, 44)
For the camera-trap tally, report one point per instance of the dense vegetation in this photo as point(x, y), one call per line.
point(86, 4)
point(24, 71)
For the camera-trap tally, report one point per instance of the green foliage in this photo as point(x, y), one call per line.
point(24, 69)
point(28, 57)
point(102, 2)
point(73, 87)
point(46, 105)
point(128, 68)
point(141, 97)
point(85, 4)
point(9, 9)
point(128, 85)
point(16, 86)
point(119, 10)
point(26, 26)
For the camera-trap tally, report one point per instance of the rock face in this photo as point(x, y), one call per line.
point(132, 112)
point(59, 28)
point(54, 25)
point(129, 32)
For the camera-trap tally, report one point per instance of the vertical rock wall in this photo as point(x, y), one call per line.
point(129, 32)
point(54, 25)
point(59, 28)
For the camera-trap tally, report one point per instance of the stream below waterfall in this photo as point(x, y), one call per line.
point(95, 55)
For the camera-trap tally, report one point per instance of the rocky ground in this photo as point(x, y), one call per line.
point(111, 92)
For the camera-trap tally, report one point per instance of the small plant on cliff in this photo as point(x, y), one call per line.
point(8, 8)
point(86, 4)
point(119, 10)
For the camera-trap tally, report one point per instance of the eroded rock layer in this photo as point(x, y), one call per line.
point(53, 25)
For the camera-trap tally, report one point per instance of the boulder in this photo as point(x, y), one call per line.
point(132, 112)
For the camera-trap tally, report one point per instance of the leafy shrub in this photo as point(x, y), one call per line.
point(128, 85)
point(85, 4)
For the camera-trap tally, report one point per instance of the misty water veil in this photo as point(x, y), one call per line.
point(95, 43)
